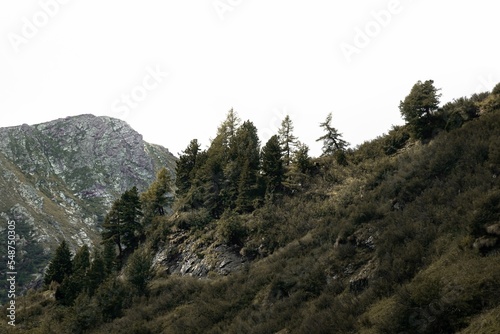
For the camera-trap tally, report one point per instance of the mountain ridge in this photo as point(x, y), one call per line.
point(60, 177)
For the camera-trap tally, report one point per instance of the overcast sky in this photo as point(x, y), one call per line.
point(172, 69)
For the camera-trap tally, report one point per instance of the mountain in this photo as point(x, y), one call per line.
point(58, 179)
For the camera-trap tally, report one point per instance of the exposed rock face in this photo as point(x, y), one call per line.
point(186, 255)
point(58, 179)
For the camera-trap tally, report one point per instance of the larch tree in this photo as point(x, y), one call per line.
point(332, 139)
point(287, 140)
point(158, 196)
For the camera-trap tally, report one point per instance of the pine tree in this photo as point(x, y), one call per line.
point(132, 230)
point(74, 284)
point(122, 224)
point(332, 139)
point(209, 182)
point(246, 190)
point(422, 101)
point(418, 109)
point(185, 170)
point(272, 165)
point(112, 226)
point(60, 266)
point(81, 261)
point(109, 257)
point(97, 273)
point(244, 158)
point(287, 140)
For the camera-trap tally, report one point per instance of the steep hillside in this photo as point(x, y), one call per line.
point(400, 235)
point(58, 179)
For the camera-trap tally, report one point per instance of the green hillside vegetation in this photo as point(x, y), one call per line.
point(398, 235)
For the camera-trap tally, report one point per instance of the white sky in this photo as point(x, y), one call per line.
point(263, 58)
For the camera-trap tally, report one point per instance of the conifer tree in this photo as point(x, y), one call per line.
point(81, 261)
point(157, 198)
point(74, 284)
point(418, 108)
point(185, 170)
point(244, 158)
point(227, 130)
point(139, 271)
point(97, 273)
point(422, 101)
point(132, 230)
point(122, 224)
point(112, 226)
point(301, 158)
point(332, 139)
point(272, 165)
point(210, 178)
point(60, 266)
point(108, 257)
point(287, 140)
point(246, 189)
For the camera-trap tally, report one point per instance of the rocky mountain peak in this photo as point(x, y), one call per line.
point(59, 178)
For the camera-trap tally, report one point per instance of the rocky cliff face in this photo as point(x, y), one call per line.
point(58, 179)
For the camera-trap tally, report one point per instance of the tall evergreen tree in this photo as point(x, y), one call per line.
point(122, 224)
point(422, 101)
point(60, 266)
point(157, 198)
point(81, 261)
point(210, 179)
point(332, 139)
point(112, 226)
point(418, 108)
point(244, 157)
point(132, 230)
point(246, 189)
point(74, 284)
point(108, 257)
point(272, 165)
point(97, 273)
point(287, 140)
point(227, 130)
point(185, 170)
